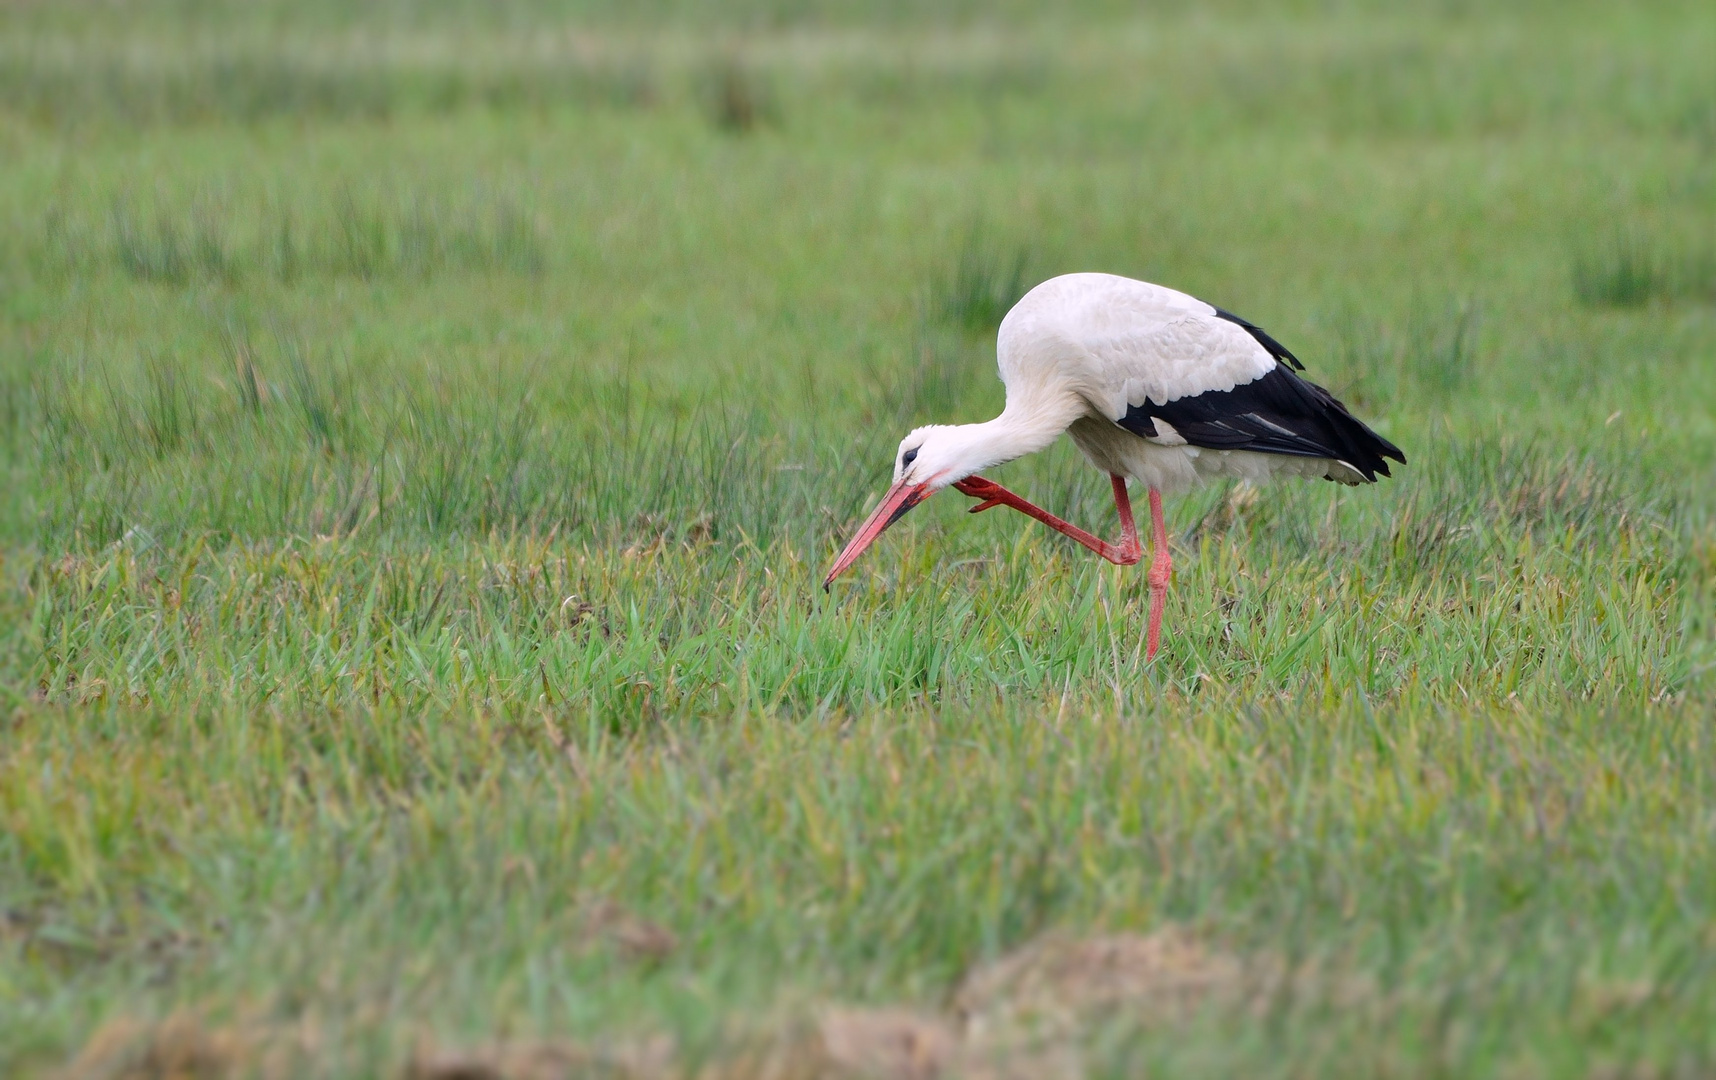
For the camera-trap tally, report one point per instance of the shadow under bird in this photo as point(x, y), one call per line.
point(1151, 384)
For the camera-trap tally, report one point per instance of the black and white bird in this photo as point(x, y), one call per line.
point(1151, 384)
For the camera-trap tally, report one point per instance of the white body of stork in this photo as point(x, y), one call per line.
point(1149, 383)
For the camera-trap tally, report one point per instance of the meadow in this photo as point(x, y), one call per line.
point(424, 429)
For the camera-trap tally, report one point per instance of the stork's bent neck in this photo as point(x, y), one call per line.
point(1020, 429)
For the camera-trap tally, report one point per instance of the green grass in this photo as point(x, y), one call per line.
point(423, 432)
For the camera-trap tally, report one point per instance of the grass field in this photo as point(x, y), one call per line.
point(424, 431)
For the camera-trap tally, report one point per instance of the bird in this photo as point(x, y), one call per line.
point(1152, 385)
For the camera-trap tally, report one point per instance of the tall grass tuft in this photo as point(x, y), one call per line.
point(316, 401)
point(1441, 345)
point(168, 413)
point(360, 237)
point(985, 283)
point(149, 254)
point(1433, 349)
point(247, 381)
point(1628, 271)
point(947, 381)
point(1631, 270)
point(209, 245)
point(234, 83)
point(364, 233)
point(736, 97)
point(1366, 361)
point(287, 256)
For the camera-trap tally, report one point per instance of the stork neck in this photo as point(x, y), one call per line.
point(1013, 434)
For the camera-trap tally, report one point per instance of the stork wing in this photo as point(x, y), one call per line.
point(1185, 356)
point(1214, 380)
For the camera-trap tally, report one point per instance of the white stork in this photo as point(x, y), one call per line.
point(1151, 384)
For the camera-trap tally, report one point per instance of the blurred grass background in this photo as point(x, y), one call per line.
point(424, 427)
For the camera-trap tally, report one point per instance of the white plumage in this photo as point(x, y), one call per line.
point(1150, 383)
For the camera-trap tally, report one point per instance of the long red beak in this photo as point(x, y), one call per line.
point(900, 498)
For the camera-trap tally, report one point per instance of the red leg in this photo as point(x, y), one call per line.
point(1125, 553)
point(1128, 531)
point(1161, 571)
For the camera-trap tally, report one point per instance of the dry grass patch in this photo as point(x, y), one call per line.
point(1028, 1014)
point(1060, 984)
point(188, 1045)
point(899, 1044)
point(545, 1060)
point(629, 934)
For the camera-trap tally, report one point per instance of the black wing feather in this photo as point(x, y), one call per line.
point(1276, 349)
point(1277, 413)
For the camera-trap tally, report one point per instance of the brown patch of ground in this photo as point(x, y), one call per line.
point(888, 1042)
point(1059, 984)
point(187, 1046)
point(1025, 1016)
point(632, 936)
point(544, 1060)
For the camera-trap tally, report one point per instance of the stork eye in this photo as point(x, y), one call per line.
point(908, 457)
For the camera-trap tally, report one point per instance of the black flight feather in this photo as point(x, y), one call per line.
point(1276, 349)
point(1277, 413)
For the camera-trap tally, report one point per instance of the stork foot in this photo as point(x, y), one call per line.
point(989, 491)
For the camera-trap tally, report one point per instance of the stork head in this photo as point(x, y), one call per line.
point(927, 460)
